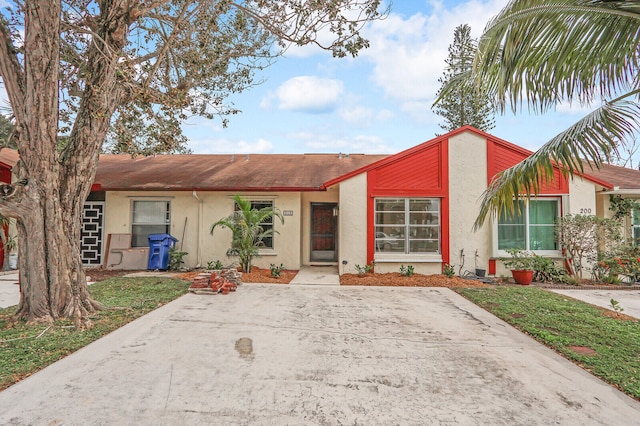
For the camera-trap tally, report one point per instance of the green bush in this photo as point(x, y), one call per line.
point(546, 270)
point(406, 271)
point(449, 270)
point(276, 270)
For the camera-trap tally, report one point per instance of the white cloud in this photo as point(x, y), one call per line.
point(230, 146)
point(575, 108)
point(357, 116)
point(408, 54)
point(309, 94)
point(385, 115)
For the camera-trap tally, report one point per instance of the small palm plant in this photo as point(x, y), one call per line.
point(245, 224)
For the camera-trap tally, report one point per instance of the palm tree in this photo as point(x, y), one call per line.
point(538, 53)
point(246, 225)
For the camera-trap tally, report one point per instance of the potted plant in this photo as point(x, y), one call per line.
point(521, 264)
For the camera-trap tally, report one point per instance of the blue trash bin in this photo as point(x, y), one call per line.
point(159, 245)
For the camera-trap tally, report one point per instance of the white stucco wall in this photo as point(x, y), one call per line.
point(582, 197)
point(467, 181)
point(352, 228)
point(200, 214)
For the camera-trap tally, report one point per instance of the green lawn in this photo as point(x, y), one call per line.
point(561, 322)
point(25, 349)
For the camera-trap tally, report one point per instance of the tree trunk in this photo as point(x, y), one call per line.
point(48, 198)
point(52, 280)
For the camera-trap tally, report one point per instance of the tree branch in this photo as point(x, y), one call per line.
point(12, 73)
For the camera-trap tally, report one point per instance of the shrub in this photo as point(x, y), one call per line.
point(276, 270)
point(406, 271)
point(449, 270)
point(211, 265)
point(176, 258)
point(365, 269)
point(581, 237)
point(546, 270)
point(519, 260)
point(610, 268)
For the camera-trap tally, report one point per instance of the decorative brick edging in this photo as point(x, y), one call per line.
point(586, 287)
point(218, 281)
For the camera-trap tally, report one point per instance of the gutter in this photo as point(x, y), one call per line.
point(625, 191)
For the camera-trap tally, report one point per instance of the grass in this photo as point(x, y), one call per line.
point(27, 348)
point(561, 323)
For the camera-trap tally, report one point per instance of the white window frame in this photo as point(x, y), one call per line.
point(634, 227)
point(407, 256)
point(265, 250)
point(166, 222)
point(548, 253)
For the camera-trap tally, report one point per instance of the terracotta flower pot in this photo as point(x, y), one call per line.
point(522, 276)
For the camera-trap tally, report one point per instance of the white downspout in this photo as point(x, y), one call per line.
point(199, 223)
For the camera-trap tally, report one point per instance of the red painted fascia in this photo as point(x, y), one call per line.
point(229, 189)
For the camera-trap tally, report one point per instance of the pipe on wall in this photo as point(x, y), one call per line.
point(199, 226)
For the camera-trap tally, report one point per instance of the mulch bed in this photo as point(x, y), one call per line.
point(394, 279)
point(259, 275)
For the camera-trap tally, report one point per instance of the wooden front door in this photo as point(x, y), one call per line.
point(324, 232)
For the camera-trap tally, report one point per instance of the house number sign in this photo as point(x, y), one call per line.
point(287, 213)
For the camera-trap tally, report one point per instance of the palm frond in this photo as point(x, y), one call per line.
point(541, 52)
point(593, 138)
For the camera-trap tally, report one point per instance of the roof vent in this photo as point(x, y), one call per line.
point(247, 159)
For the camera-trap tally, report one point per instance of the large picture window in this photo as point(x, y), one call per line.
point(407, 225)
point(149, 217)
point(532, 227)
point(267, 224)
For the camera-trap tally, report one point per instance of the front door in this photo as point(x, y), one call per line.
point(324, 232)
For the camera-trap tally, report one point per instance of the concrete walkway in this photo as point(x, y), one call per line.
point(9, 290)
point(317, 275)
point(629, 300)
point(306, 355)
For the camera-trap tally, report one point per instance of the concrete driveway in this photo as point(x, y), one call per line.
point(276, 355)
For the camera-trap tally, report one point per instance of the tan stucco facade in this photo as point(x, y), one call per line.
point(193, 213)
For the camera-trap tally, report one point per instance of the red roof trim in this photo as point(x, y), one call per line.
point(417, 148)
point(217, 189)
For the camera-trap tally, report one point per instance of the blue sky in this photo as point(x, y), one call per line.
point(379, 102)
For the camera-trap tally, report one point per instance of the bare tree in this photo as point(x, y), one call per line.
point(73, 67)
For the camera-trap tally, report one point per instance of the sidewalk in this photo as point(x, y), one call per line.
point(629, 300)
point(317, 275)
point(9, 289)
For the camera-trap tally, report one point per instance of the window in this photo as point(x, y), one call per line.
point(149, 217)
point(530, 228)
point(407, 225)
point(267, 224)
point(635, 224)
